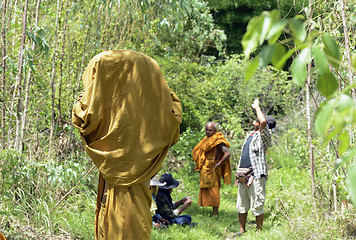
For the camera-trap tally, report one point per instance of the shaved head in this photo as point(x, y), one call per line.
point(210, 129)
point(212, 124)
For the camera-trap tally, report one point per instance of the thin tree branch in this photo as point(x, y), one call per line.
point(91, 169)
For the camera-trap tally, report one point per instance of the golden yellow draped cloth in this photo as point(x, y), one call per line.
point(204, 157)
point(2, 237)
point(128, 119)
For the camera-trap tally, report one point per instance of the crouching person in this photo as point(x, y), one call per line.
point(157, 220)
point(166, 207)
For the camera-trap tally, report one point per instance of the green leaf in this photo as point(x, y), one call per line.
point(329, 136)
point(267, 20)
point(284, 58)
point(327, 83)
point(250, 38)
point(323, 118)
point(274, 15)
point(351, 183)
point(320, 60)
point(354, 62)
point(332, 50)
point(343, 142)
point(347, 156)
point(299, 71)
point(344, 102)
point(339, 121)
point(266, 55)
point(257, 30)
point(275, 31)
point(251, 69)
point(298, 31)
point(279, 52)
point(32, 66)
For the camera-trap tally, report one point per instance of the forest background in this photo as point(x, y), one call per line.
point(48, 183)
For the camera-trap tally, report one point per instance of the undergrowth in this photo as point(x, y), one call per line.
point(34, 202)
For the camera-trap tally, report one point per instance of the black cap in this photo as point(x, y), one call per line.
point(169, 180)
point(271, 122)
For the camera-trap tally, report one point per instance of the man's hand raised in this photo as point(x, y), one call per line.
point(256, 103)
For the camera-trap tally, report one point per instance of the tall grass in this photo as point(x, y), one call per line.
point(289, 212)
point(30, 193)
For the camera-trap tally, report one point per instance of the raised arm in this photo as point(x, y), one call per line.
point(260, 116)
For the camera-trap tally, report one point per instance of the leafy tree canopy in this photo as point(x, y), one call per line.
point(232, 16)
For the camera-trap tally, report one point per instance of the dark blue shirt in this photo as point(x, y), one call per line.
point(245, 156)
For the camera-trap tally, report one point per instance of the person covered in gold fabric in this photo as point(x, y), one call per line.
point(211, 156)
point(128, 118)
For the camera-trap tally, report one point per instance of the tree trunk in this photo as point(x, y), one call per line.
point(310, 144)
point(29, 77)
point(53, 82)
point(347, 48)
point(121, 28)
point(89, 22)
point(19, 80)
point(104, 40)
point(11, 91)
point(61, 65)
point(80, 70)
point(3, 76)
point(309, 120)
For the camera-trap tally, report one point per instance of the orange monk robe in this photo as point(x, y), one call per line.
point(128, 118)
point(2, 237)
point(209, 177)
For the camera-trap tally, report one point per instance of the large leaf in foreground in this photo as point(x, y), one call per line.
point(351, 182)
point(327, 83)
point(323, 118)
point(299, 69)
point(332, 50)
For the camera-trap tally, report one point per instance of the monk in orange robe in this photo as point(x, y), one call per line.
point(128, 118)
point(211, 156)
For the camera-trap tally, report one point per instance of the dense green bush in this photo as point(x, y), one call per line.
point(217, 91)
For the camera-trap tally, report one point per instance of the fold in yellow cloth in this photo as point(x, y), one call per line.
point(127, 116)
point(128, 119)
point(124, 215)
point(209, 197)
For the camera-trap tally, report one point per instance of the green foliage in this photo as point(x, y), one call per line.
point(26, 193)
point(185, 26)
point(299, 69)
point(262, 28)
point(331, 113)
point(157, 28)
point(288, 210)
point(331, 50)
point(289, 150)
point(338, 112)
point(351, 183)
point(39, 38)
point(183, 38)
point(217, 91)
point(232, 16)
point(12, 167)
